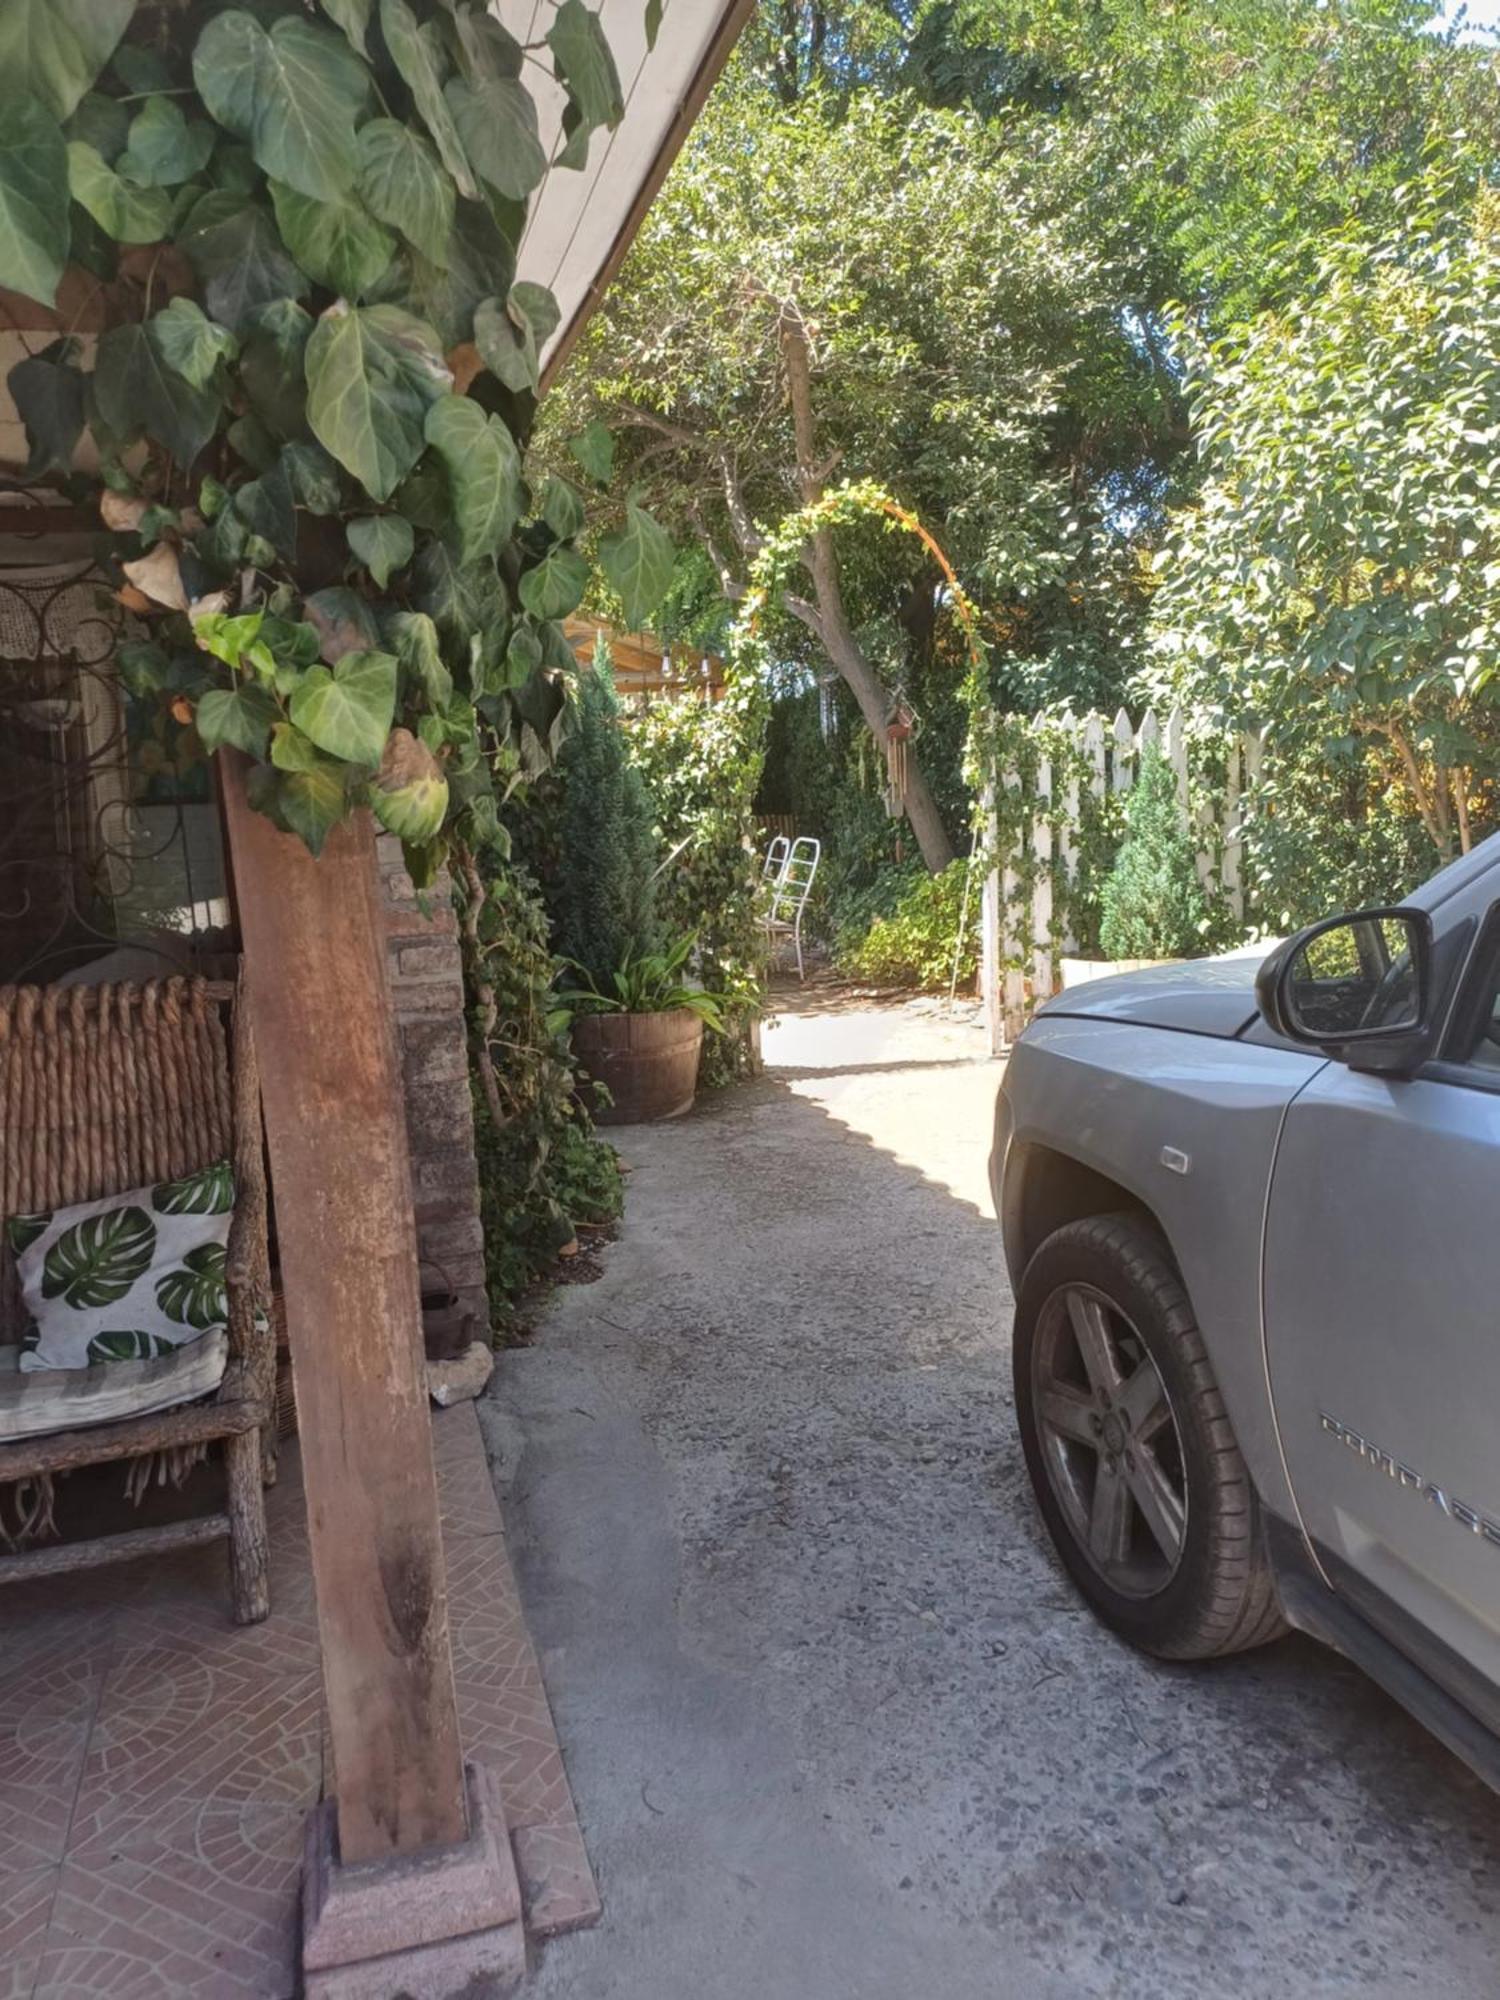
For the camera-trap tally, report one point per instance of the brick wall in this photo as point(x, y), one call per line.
point(427, 993)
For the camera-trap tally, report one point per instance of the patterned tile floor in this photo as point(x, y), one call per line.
point(156, 1762)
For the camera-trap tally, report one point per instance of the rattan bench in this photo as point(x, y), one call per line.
point(103, 1089)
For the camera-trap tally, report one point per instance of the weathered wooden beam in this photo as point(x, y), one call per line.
point(335, 1127)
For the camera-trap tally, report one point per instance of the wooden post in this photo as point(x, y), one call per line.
point(1041, 890)
point(989, 924)
point(315, 958)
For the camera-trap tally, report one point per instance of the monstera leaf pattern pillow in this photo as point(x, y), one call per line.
point(126, 1277)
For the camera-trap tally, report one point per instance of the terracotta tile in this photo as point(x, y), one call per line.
point(212, 1884)
point(48, 1699)
point(466, 1492)
point(176, 1725)
point(176, 1753)
point(25, 1905)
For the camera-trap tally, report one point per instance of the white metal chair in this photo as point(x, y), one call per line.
point(789, 898)
point(777, 851)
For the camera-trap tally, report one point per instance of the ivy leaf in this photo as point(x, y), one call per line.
point(418, 53)
point(510, 337)
point(372, 373)
point(293, 94)
point(480, 261)
point(496, 122)
point(382, 542)
point(638, 559)
point(292, 751)
point(413, 638)
point(241, 716)
point(484, 474)
point(335, 242)
point(347, 709)
point(47, 391)
point(490, 49)
point(460, 600)
point(128, 214)
point(34, 229)
point(271, 365)
point(344, 622)
point(594, 450)
point(103, 121)
point(556, 585)
point(562, 508)
point(314, 477)
point(137, 391)
point(309, 803)
point(410, 794)
point(353, 16)
point(586, 69)
point(522, 656)
point(402, 183)
point(266, 507)
point(190, 343)
point(52, 50)
point(163, 148)
point(234, 248)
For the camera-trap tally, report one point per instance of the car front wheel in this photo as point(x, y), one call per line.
point(1135, 1467)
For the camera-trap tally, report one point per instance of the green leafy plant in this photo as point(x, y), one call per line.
point(1152, 905)
point(1339, 575)
point(316, 380)
point(701, 762)
point(542, 1170)
point(647, 983)
point(602, 890)
point(913, 942)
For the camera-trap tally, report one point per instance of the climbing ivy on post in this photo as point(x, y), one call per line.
point(316, 379)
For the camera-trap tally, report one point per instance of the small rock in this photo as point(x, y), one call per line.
point(462, 1380)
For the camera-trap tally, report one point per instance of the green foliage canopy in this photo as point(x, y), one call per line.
point(1339, 574)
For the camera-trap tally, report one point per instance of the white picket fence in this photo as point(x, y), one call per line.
point(1021, 949)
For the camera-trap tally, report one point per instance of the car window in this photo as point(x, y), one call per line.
point(1485, 1053)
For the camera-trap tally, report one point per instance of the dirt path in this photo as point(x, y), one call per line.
point(836, 1724)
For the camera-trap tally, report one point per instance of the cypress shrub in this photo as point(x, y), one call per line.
point(1152, 904)
point(603, 901)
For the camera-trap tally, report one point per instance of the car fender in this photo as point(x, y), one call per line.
point(1187, 1125)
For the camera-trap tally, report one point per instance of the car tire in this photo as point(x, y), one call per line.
point(1164, 1535)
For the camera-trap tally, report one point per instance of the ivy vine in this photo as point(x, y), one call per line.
point(316, 377)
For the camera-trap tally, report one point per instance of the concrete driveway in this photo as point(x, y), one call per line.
point(837, 1727)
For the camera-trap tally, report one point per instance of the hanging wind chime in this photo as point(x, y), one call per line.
point(900, 726)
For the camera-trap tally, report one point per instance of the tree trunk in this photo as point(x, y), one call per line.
point(826, 617)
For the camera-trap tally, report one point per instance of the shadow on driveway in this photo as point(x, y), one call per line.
point(835, 1722)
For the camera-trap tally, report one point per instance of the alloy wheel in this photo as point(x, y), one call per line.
point(1109, 1441)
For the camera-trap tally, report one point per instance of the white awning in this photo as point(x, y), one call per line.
point(582, 220)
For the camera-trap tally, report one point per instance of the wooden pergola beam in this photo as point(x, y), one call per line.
point(315, 960)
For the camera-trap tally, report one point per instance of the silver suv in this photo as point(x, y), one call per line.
point(1252, 1218)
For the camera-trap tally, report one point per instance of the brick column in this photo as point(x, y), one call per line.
point(428, 997)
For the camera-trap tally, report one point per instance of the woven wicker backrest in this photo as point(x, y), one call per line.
point(104, 1088)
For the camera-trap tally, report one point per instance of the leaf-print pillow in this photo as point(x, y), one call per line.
point(127, 1277)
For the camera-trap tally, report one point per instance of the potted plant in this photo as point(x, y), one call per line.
point(641, 1033)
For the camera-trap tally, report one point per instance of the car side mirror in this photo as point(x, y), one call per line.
point(1357, 988)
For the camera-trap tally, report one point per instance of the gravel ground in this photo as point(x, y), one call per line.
point(836, 1724)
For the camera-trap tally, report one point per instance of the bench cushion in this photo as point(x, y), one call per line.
point(36, 1403)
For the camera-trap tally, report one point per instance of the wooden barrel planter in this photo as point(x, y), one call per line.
point(647, 1062)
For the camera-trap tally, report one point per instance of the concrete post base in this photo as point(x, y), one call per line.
point(435, 1925)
